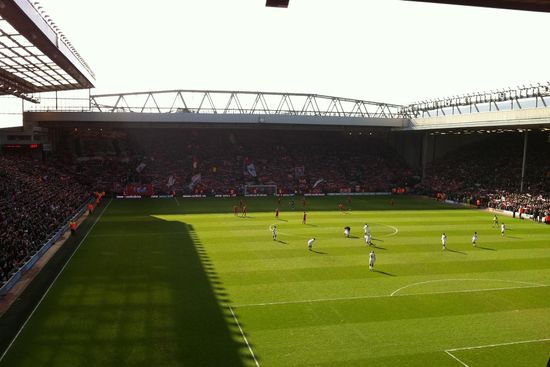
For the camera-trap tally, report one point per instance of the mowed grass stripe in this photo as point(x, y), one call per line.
point(332, 265)
point(297, 315)
point(391, 253)
point(319, 290)
point(355, 271)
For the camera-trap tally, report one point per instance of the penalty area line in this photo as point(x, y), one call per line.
point(53, 282)
point(456, 358)
point(499, 345)
point(244, 336)
point(448, 351)
point(467, 279)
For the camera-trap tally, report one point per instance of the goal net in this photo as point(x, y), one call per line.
point(260, 190)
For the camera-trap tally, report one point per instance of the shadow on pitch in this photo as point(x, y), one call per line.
point(383, 272)
point(200, 319)
point(486, 248)
point(282, 220)
point(283, 242)
point(160, 304)
point(456, 251)
point(378, 247)
point(319, 252)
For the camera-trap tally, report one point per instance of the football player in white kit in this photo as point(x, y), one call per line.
point(368, 239)
point(444, 241)
point(366, 228)
point(347, 231)
point(274, 232)
point(474, 239)
point(372, 260)
point(310, 243)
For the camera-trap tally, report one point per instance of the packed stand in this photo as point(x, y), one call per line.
point(488, 174)
point(213, 162)
point(36, 199)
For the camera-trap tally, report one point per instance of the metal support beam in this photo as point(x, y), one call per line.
point(424, 154)
point(243, 102)
point(490, 101)
point(524, 160)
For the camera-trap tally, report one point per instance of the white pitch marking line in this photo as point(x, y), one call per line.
point(456, 359)
point(448, 351)
point(396, 231)
point(244, 336)
point(51, 285)
point(499, 345)
point(380, 296)
point(460, 280)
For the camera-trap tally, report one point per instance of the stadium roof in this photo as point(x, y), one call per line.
point(35, 56)
point(531, 5)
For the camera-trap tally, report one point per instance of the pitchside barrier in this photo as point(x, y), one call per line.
point(511, 214)
point(257, 195)
point(45, 247)
point(359, 193)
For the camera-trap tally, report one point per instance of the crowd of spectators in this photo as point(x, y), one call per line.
point(228, 160)
point(536, 206)
point(36, 199)
point(488, 174)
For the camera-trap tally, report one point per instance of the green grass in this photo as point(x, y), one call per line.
point(156, 281)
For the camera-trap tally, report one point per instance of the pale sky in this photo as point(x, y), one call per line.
point(381, 50)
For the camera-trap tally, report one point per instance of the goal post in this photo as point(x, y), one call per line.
point(260, 190)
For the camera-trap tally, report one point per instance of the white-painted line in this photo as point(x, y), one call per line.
point(395, 230)
point(467, 279)
point(456, 359)
point(307, 301)
point(499, 345)
point(379, 296)
point(177, 201)
point(244, 336)
point(51, 285)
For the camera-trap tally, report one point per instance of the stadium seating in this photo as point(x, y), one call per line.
point(294, 161)
point(490, 172)
point(35, 201)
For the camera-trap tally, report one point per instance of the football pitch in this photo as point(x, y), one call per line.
point(166, 282)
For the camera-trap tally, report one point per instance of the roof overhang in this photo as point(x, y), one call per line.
point(530, 5)
point(536, 117)
point(34, 55)
point(204, 120)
